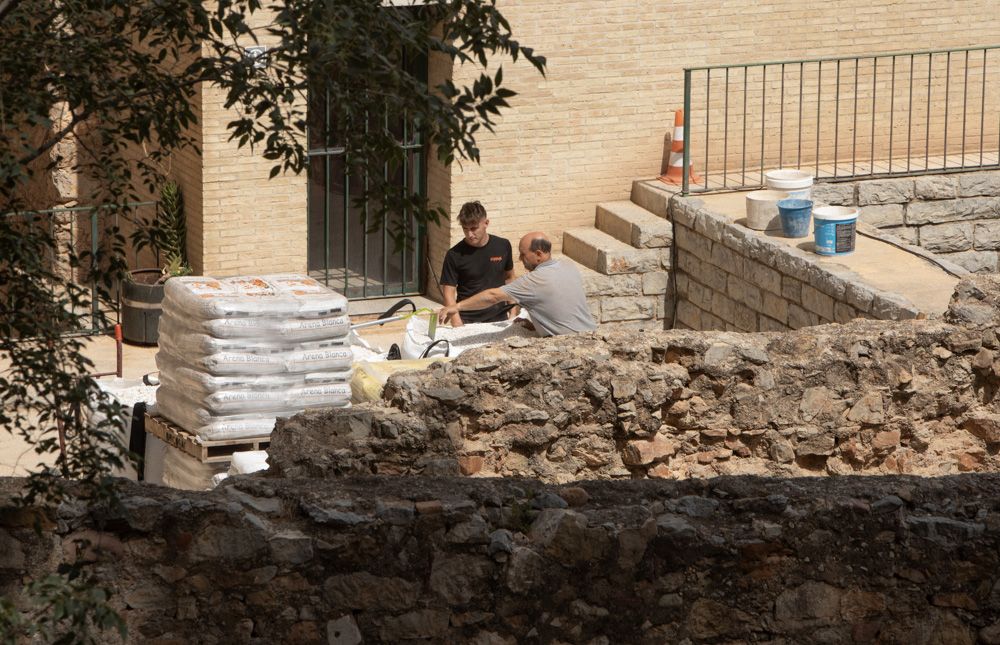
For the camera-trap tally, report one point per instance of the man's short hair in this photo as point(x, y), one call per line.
point(540, 244)
point(471, 213)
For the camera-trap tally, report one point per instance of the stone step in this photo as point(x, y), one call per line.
point(633, 224)
point(653, 195)
point(599, 251)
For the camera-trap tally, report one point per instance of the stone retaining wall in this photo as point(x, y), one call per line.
point(872, 397)
point(731, 278)
point(956, 216)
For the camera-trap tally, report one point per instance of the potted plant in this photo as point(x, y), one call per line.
point(142, 291)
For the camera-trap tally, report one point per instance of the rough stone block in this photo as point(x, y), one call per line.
point(714, 277)
point(885, 191)
point(746, 318)
point(946, 238)
point(726, 259)
point(975, 261)
point(641, 452)
point(632, 224)
point(711, 225)
point(742, 291)
point(653, 196)
point(737, 238)
point(906, 234)
point(599, 284)
point(689, 315)
point(882, 215)
point(776, 307)
point(791, 289)
point(799, 317)
point(690, 241)
point(666, 256)
point(979, 183)
point(655, 282)
point(986, 236)
point(594, 305)
point(768, 324)
point(834, 194)
point(892, 306)
point(689, 263)
point(826, 278)
point(859, 296)
point(763, 276)
point(952, 210)
point(723, 307)
point(818, 302)
point(627, 308)
point(843, 312)
point(793, 262)
point(700, 295)
point(710, 322)
point(681, 283)
point(935, 187)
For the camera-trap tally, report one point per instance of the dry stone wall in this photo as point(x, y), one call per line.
point(955, 216)
point(868, 397)
point(438, 560)
point(731, 278)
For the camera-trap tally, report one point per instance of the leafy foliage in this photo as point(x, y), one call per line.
point(166, 232)
point(106, 77)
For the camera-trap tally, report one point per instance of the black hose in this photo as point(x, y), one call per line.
point(396, 307)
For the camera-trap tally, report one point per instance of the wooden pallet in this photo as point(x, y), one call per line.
point(203, 450)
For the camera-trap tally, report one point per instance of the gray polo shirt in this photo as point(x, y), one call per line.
point(553, 294)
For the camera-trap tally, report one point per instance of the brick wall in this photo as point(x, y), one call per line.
point(956, 217)
point(577, 136)
point(615, 74)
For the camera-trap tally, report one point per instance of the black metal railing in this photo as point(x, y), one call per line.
point(880, 115)
point(81, 229)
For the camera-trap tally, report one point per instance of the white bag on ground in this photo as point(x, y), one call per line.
point(248, 461)
point(460, 339)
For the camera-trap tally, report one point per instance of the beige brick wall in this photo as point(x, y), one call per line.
point(576, 137)
point(615, 75)
point(248, 223)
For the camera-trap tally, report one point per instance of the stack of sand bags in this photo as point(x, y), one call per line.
point(236, 353)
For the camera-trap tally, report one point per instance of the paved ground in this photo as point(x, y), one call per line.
point(882, 265)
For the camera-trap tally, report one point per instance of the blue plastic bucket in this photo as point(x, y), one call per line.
point(836, 229)
point(794, 215)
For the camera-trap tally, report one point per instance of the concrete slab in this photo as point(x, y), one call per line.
point(880, 264)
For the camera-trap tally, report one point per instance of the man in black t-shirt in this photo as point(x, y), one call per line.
point(480, 261)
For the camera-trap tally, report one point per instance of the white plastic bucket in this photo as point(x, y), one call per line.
point(762, 209)
point(796, 183)
point(836, 229)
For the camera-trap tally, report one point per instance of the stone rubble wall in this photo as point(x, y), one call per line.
point(389, 560)
point(868, 397)
point(730, 278)
point(955, 216)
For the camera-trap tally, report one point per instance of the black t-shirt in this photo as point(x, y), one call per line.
point(472, 270)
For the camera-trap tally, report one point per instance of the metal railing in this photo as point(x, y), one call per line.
point(82, 229)
point(842, 118)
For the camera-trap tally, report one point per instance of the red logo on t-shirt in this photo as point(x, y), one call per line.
point(496, 258)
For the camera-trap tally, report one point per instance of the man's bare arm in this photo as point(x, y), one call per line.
point(449, 293)
point(509, 277)
point(481, 300)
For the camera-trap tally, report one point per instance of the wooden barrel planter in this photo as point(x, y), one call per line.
point(142, 302)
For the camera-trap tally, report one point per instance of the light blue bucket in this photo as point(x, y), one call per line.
point(794, 215)
point(836, 229)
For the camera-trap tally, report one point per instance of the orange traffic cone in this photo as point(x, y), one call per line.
point(675, 168)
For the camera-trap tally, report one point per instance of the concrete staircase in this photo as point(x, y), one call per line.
point(625, 257)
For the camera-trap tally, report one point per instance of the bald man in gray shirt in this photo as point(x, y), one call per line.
point(552, 291)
